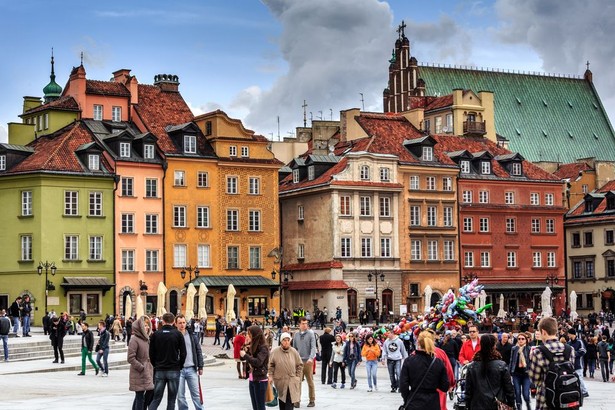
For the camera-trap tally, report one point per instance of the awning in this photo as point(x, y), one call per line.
point(86, 282)
point(523, 286)
point(254, 281)
point(317, 285)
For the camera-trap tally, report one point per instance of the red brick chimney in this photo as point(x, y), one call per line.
point(167, 82)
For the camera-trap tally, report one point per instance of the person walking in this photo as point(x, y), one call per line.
point(518, 368)
point(592, 355)
point(488, 378)
point(229, 333)
point(352, 357)
point(141, 374)
point(5, 329)
point(218, 331)
point(579, 356)
point(57, 332)
point(326, 351)
point(337, 361)
point(167, 353)
point(285, 372)
point(26, 312)
point(394, 352)
point(87, 344)
point(102, 348)
point(116, 328)
point(305, 343)
point(603, 357)
point(421, 376)
point(256, 353)
point(371, 352)
point(192, 369)
point(470, 347)
point(238, 343)
point(15, 312)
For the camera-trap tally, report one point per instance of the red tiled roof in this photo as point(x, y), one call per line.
point(589, 218)
point(389, 185)
point(66, 103)
point(572, 170)
point(288, 185)
point(313, 265)
point(317, 285)
point(252, 160)
point(440, 102)
point(106, 88)
point(609, 186)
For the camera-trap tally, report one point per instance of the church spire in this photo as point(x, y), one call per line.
point(52, 91)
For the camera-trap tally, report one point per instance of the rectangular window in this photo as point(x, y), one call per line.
point(550, 259)
point(366, 247)
point(468, 259)
point(232, 220)
point(190, 144)
point(364, 173)
point(301, 251)
point(577, 269)
point(128, 260)
point(254, 186)
point(449, 250)
point(485, 167)
point(151, 261)
point(589, 238)
point(447, 184)
point(535, 225)
point(128, 223)
point(151, 224)
point(449, 123)
point(345, 206)
point(2, 162)
point(467, 197)
point(385, 207)
point(245, 152)
point(432, 216)
point(431, 183)
point(254, 221)
point(415, 250)
point(127, 186)
point(428, 153)
point(46, 119)
point(295, 176)
point(447, 216)
point(589, 301)
point(483, 224)
point(483, 197)
point(516, 168)
point(589, 269)
point(549, 199)
point(415, 216)
point(300, 213)
point(149, 152)
point(537, 259)
point(576, 240)
point(26, 247)
point(385, 174)
point(511, 259)
point(511, 225)
point(71, 203)
point(311, 172)
point(550, 225)
point(204, 256)
point(414, 182)
point(438, 125)
point(464, 166)
point(179, 178)
point(91, 306)
point(26, 203)
point(202, 179)
point(71, 247)
point(432, 250)
point(427, 124)
point(232, 257)
point(151, 188)
point(98, 112)
point(509, 198)
point(485, 259)
point(534, 198)
point(179, 255)
point(385, 247)
point(609, 237)
point(94, 162)
point(232, 151)
point(125, 149)
point(467, 224)
point(346, 247)
point(231, 185)
point(365, 205)
point(202, 217)
point(96, 243)
point(116, 114)
point(255, 257)
point(610, 268)
point(179, 216)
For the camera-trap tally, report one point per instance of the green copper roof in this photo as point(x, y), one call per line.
point(52, 91)
point(546, 118)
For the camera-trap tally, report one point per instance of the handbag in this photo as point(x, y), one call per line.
point(318, 357)
point(269, 392)
point(499, 403)
point(274, 396)
point(405, 405)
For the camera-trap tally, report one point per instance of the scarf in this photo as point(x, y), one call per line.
point(522, 362)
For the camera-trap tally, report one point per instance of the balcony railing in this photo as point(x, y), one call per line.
point(474, 127)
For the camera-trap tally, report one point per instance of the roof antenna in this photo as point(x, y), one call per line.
point(82, 58)
point(331, 109)
point(362, 102)
point(304, 114)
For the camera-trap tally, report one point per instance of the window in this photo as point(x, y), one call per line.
point(577, 269)
point(511, 225)
point(98, 112)
point(310, 172)
point(364, 173)
point(549, 199)
point(301, 251)
point(295, 176)
point(576, 240)
point(415, 215)
point(432, 216)
point(128, 223)
point(179, 255)
point(467, 224)
point(202, 179)
point(203, 256)
point(116, 114)
point(609, 237)
point(254, 221)
point(46, 119)
point(534, 198)
point(179, 216)
point(26, 203)
point(427, 153)
point(125, 149)
point(483, 197)
point(232, 151)
point(127, 186)
point(94, 162)
point(232, 220)
point(537, 259)
point(447, 184)
point(231, 185)
point(589, 269)
point(151, 224)
point(2, 162)
point(71, 203)
point(385, 206)
point(300, 213)
point(151, 261)
point(449, 250)
point(149, 151)
point(468, 259)
point(245, 152)
point(95, 208)
point(385, 174)
point(345, 206)
point(589, 238)
point(88, 301)
point(365, 205)
point(385, 247)
point(589, 301)
point(432, 250)
point(366, 247)
point(255, 257)
point(550, 225)
point(414, 182)
point(485, 259)
point(465, 166)
point(71, 247)
point(415, 250)
point(449, 123)
point(447, 217)
point(151, 188)
point(254, 186)
point(179, 178)
point(509, 198)
point(535, 225)
point(257, 306)
point(585, 188)
point(483, 224)
point(128, 260)
point(26, 247)
point(431, 183)
point(485, 167)
point(610, 268)
point(438, 125)
point(511, 259)
point(427, 124)
point(346, 247)
point(467, 197)
point(202, 217)
point(550, 259)
point(516, 169)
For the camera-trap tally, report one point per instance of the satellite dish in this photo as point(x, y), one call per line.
point(445, 129)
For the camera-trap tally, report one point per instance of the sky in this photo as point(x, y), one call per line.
point(260, 60)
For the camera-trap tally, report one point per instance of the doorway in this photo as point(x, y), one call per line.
point(513, 306)
point(352, 304)
point(173, 302)
point(370, 308)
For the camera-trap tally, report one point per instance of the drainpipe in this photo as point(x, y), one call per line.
point(165, 166)
point(116, 180)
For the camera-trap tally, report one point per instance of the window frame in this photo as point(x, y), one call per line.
point(232, 185)
point(190, 144)
point(127, 223)
point(180, 216)
point(116, 113)
point(125, 149)
point(128, 186)
point(25, 243)
point(151, 187)
point(26, 203)
point(71, 203)
point(232, 220)
point(179, 178)
point(95, 205)
point(203, 217)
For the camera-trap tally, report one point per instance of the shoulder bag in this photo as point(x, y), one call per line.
point(414, 391)
point(499, 403)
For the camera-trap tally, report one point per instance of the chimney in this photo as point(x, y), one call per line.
point(167, 82)
point(121, 76)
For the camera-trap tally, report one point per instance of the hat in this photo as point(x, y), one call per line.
point(284, 335)
point(448, 332)
point(571, 331)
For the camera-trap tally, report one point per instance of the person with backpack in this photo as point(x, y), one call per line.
point(552, 371)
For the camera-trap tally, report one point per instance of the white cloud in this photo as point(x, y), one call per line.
point(4, 135)
point(203, 108)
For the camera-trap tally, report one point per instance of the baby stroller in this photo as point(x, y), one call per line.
point(459, 402)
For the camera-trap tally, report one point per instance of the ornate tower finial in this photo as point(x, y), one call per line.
point(52, 70)
point(393, 58)
point(401, 30)
point(52, 91)
point(587, 64)
point(82, 58)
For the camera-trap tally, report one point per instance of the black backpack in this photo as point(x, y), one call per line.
point(562, 384)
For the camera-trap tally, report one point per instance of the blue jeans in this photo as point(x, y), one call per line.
point(372, 369)
point(26, 325)
point(190, 376)
point(579, 373)
point(257, 394)
point(522, 388)
point(352, 367)
point(394, 367)
point(164, 378)
point(604, 369)
point(591, 364)
point(104, 355)
point(15, 324)
point(5, 345)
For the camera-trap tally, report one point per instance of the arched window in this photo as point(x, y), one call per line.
point(352, 303)
point(364, 173)
point(435, 298)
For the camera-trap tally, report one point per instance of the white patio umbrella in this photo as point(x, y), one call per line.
point(573, 306)
point(202, 299)
point(230, 303)
point(190, 302)
point(501, 312)
point(140, 307)
point(546, 303)
point(128, 307)
point(483, 299)
point(160, 293)
point(428, 293)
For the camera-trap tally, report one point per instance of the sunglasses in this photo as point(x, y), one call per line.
point(472, 331)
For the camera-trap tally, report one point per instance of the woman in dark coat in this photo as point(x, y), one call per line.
point(488, 377)
point(141, 375)
point(57, 331)
point(424, 396)
point(256, 354)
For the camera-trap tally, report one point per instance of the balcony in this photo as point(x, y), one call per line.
point(474, 128)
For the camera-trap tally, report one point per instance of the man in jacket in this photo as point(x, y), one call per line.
point(102, 348)
point(26, 312)
point(603, 357)
point(15, 312)
point(167, 353)
point(87, 344)
point(5, 328)
point(192, 369)
point(470, 347)
point(305, 343)
point(326, 340)
point(504, 347)
point(579, 352)
point(394, 352)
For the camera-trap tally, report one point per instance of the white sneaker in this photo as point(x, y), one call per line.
point(376, 388)
point(105, 374)
point(369, 390)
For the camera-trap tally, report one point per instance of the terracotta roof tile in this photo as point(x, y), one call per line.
point(440, 102)
point(572, 170)
point(287, 183)
point(252, 160)
point(317, 285)
point(368, 184)
point(609, 186)
point(66, 103)
point(313, 265)
point(106, 88)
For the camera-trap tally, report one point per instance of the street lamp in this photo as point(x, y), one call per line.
point(552, 279)
point(369, 278)
point(190, 269)
point(47, 266)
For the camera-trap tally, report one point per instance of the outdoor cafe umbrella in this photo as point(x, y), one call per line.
point(501, 312)
point(230, 302)
point(160, 293)
point(128, 307)
point(573, 306)
point(140, 309)
point(202, 299)
point(189, 314)
point(428, 293)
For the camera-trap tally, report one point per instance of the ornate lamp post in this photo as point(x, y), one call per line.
point(551, 279)
point(369, 278)
point(48, 267)
point(469, 277)
point(190, 269)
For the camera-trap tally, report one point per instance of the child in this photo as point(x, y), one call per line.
point(87, 344)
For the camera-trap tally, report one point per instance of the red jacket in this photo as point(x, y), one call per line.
point(442, 356)
point(466, 354)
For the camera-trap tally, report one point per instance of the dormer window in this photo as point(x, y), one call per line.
point(148, 151)
point(2, 162)
point(189, 144)
point(610, 203)
point(98, 112)
point(311, 172)
point(427, 154)
point(465, 166)
point(125, 149)
point(364, 173)
point(516, 169)
point(94, 162)
point(245, 152)
point(485, 167)
point(385, 174)
point(232, 151)
point(295, 176)
point(116, 114)
point(589, 206)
